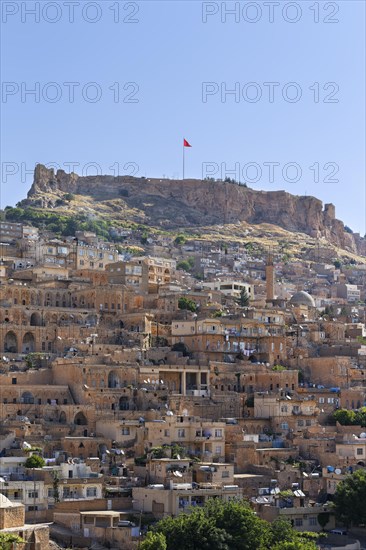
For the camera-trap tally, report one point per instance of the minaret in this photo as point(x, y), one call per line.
point(269, 278)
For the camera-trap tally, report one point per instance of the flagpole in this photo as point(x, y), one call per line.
point(183, 158)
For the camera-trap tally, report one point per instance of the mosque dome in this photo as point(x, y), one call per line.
point(302, 298)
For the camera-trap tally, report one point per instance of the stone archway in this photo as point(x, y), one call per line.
point(11, 342)
point(36, 319)
point(27, 398)
point(80, 419)
point(28, 344)
point(124, 403)
point(113, 380)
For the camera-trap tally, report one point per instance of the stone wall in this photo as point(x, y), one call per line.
point(13, 516)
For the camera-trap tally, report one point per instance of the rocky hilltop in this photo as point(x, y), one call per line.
point(173, 204)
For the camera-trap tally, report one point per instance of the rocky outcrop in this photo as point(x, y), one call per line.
point(177, 203)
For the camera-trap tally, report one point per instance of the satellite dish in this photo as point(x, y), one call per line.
point(363, 435)
point(338, 471)
point(305, 474)
point(169, 413)
point(178, 474)
point(145, 381)
point(161, 382)
point(178, 457)
point(148, 380)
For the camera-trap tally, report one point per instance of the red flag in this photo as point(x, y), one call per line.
point(186, 144)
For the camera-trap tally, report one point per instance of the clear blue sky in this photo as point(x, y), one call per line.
point(169, 52)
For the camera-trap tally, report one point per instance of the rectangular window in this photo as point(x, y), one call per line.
point(225, 473)
point(32, 494)
point(298, 522)
point(125, 431)
point(88, 520)
point(360, 451)
point(181, 432)
point(218, 433)
point(91, 492)
point(218, 450)
point(313, 521)
point(321, 400)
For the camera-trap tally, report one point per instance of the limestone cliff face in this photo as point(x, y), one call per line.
point(176, 203)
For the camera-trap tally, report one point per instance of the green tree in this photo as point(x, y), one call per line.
point(69, 197)
point(217, 525)
point(246, 531)
point(284, 537)
point(7, 541)
point(186, 303)
point(184, 264)
point(360, 419)
point(350, 499)
point(345, 417)
point(180, 239)
point(154, 541)
point(243, 301)
point(323, 519)
point(295, 545)
point(34, 461)
point(56, 486)
point(194, 531)
point(230, 525)
point(281, 531)
point(144, 237)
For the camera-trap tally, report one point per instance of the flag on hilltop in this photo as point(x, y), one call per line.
point(185, 144)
